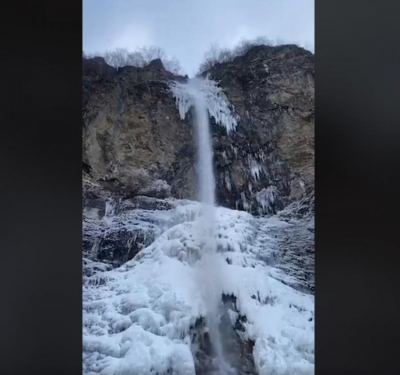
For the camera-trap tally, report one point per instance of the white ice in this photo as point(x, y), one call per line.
point(266, 198)
point(256, 170)
point(205, 97)
point(137, 317)
point(215, 99)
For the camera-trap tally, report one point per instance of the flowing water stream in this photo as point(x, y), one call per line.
point(204, 97)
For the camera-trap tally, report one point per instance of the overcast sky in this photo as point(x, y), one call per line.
point(186, 28)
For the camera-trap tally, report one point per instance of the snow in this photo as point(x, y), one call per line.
point(216, 101)
point(110, 207)
point(137, 317)
point(157, 187)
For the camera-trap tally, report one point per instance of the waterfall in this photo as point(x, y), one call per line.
point(206, 99)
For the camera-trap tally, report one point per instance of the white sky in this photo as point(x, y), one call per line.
point(186, 28)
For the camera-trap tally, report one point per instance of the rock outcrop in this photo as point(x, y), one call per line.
point(137, 152)
point(134, 142)
point(136, 145)
point(269, 161)
point(133, 139)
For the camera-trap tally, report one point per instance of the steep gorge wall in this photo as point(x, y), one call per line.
point(135, 143)
point(272, 90)
point(133, 139)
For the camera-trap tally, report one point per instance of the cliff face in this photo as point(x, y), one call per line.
point(272, 89)
point(135, 143)
point(136, 152)
point(133, 139)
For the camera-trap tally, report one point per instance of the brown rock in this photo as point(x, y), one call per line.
point(272, 89)
point(135, 143)
point(132, 133)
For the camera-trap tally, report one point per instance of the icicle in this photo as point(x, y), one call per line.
point(266, 198)
point(216, 102)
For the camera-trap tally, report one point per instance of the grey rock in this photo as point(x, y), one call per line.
point(134, 141)
point(276, 130)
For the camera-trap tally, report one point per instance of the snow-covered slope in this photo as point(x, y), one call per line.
point(139, 318)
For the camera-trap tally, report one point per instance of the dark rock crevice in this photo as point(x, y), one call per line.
point(238, 351)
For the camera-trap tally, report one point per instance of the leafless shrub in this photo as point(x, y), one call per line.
point(217, 55)
point(121, 57)
point(246, 45)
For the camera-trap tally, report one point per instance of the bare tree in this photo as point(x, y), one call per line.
point(117, 58)
point(121, 57)
point(151, 53)
point(263, 41)
point(211, 58)
point(280, 42)
point(172, 65)
point(136, 59)
point(216, 55)
point(225, 55)
point(245, 45)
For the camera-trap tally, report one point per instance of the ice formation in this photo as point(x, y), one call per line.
point(137, 317)
point(205, 98)
point(215, 100)
point(266, 198)
point(256, 170)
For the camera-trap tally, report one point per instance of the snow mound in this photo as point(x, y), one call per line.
point(137, 318)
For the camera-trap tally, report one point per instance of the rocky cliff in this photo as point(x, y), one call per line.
point(138, 155)
point(133, 139)
point(269, 161)
point(134, 142)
